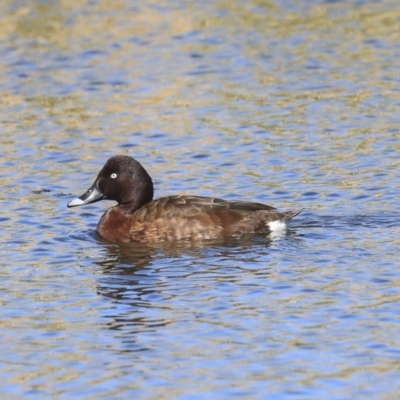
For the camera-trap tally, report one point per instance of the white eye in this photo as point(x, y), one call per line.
point(113, 176)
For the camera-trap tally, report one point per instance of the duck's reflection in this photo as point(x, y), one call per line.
point(130, 259)
point(148, 284)
point(137, 266)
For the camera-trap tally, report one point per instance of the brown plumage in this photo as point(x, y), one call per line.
point(139, 218)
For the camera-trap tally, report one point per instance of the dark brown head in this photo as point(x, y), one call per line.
point(122, 179)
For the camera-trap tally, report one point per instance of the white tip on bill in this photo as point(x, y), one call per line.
point(75, 202)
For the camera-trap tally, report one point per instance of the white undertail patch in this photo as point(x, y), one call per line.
point(278, 228)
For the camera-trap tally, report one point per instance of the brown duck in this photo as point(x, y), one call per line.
point(139, 218)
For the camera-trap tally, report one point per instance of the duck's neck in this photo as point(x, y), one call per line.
point(142, 194)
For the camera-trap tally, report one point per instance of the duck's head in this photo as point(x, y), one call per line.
point(122, 179)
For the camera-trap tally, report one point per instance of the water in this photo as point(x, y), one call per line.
point(291, 103)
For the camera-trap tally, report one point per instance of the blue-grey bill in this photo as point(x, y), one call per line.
point(92, 195)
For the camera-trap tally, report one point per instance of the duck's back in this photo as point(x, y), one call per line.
point(182, 206)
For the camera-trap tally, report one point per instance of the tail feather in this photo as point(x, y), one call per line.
point(291, 214)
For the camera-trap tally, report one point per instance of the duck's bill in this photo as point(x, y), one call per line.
point(92, 195)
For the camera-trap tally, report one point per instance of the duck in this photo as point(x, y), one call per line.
point(137, 217)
